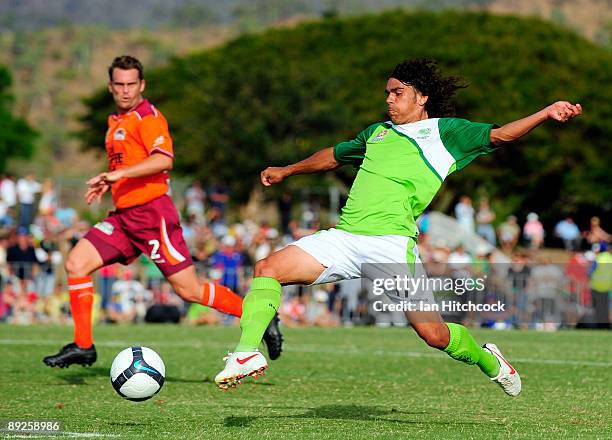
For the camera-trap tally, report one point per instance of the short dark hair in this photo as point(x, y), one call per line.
point(126, 62)
point(425, 76)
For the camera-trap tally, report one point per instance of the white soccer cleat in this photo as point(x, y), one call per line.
point(508, 378)
point(240, 365)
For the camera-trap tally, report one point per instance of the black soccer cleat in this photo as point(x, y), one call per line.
point(273, 339)
point(72, 354)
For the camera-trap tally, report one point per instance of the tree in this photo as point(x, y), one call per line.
point(16, 136)
point(276, 97)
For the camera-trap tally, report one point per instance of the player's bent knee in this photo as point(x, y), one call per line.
point(76, 267)
point(434, 337)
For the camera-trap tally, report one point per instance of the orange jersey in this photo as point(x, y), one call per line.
point(130, 139)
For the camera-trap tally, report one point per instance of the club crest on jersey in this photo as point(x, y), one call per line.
point(423, 133)
point(380, 136)
point(105, 227)
point(119, 134)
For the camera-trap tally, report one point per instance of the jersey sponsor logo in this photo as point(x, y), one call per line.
point(105, 227)
point(380, 136)
point(119, 134)
point(159, 141)
point(114, 159)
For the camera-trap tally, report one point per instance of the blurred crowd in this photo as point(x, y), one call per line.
point(37, 232)
point(509, 233)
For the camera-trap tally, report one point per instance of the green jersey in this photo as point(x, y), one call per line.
point(401, 168)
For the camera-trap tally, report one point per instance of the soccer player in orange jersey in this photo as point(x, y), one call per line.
point(140, 154)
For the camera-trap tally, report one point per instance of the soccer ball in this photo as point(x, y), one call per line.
point(137, 373)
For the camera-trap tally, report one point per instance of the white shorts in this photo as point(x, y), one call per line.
point(347, 256)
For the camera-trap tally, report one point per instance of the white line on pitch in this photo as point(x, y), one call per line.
point(62, 434)
point(306, 349)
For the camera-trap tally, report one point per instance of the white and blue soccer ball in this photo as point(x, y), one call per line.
point(137, 373)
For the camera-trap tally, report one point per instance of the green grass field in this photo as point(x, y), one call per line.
point(329, 383)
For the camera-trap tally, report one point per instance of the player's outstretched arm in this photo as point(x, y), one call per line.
point(322, 160)
point(561, 111)
point(100, 184)
point(156, 163)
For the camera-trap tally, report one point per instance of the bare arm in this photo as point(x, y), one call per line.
point(561, 111)
point(156, 163)
point(322, 160)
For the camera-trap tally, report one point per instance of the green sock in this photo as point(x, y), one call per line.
point(258, 308)
point(464, 348)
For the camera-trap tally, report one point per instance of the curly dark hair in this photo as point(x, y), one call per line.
point(126, 62)
point(425, 76)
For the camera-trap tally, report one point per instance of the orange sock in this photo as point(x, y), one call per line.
point(221, 298)
point(81, 302)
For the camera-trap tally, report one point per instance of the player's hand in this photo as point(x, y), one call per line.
point(95, 181)
point(95, 193)
point(105, 178)
point(563, 111)
point(272, 175)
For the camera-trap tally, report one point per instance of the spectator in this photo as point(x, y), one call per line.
point(546, 288)
point(5, 219)
point(48, 199)
point(4, 267)
point(260, 246)
point(107, 277)
point(67, 216)
point(569, 233)
point(578, 289)
point(601, 287)
point(24, 306)
point(285, 204)
point(229, 263)
point(484, 219)
point(533, 231)
point(292, 311)
point(508, 233)
point(27, 188)
point(8, 191)
point(57, 305)
point(8, 295)
point(126, 293)
point(219, 197)
point(596, 236)
point(460, 263)
point(217, 222)
point(22, 256)
point(48, 256)
point(194, 198)
point(518, 277)
point(317, 312)
point(464, 212)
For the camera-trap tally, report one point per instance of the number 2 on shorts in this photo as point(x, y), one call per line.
point(154, 254)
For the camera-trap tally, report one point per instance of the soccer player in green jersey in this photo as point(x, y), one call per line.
point(402, 164)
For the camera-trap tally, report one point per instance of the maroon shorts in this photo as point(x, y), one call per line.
point(152, 228)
